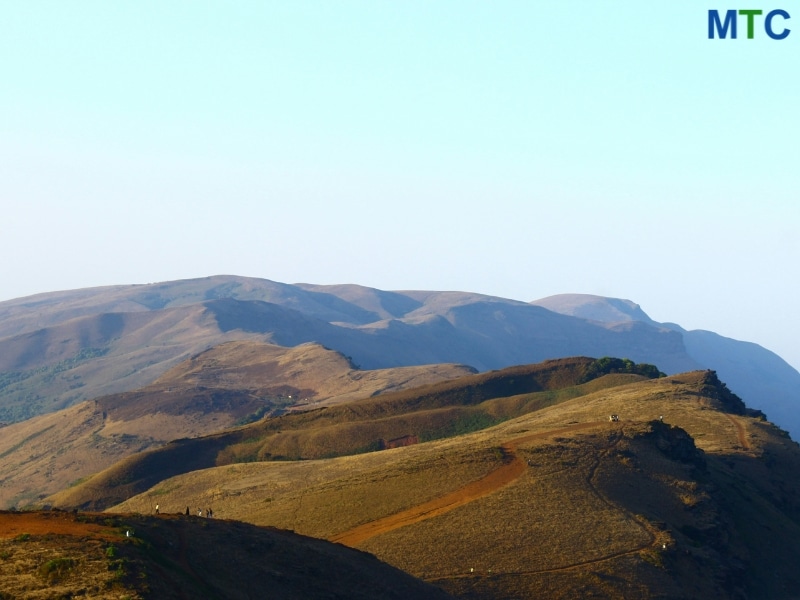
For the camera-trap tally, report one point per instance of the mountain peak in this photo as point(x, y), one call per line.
point(595, 308)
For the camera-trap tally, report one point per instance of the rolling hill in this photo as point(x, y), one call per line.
point(60, 348)
point(509, 483)
point(428, 412)
point(555, 502)
point(230, 384)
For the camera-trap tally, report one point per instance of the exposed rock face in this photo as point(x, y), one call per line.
point(716, 389)
point(676, 444)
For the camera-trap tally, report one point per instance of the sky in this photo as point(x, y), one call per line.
point(514, 148)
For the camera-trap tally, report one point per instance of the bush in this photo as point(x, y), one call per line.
point(608, 364)
point(58, 567)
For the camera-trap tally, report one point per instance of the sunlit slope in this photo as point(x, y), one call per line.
point(557, 503)
point(215, 390)
point(429, 412)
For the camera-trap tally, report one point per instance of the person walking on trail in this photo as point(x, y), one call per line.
point(157, 511)
point(187, 511)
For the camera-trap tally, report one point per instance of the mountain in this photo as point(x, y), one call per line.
point(60, 348)
point(229, 384)
point(512, 483)
point(762, 377)
point(178, 557)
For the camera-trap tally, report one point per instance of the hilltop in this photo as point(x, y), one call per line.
point(61, 348)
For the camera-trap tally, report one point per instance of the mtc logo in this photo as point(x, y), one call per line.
point(720, 27)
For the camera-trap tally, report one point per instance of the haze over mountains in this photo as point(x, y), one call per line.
point(265, 401)
point(59, 348)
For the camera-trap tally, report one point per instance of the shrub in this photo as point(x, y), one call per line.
point(58, 567)
point(608, 364)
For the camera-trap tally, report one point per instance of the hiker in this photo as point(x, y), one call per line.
point(157, 512)
point(187, 511)
point(209, 513)
point(199, 512)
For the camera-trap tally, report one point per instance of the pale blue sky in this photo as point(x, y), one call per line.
point(520, 149)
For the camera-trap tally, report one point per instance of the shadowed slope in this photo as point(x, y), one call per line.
point(63, 555)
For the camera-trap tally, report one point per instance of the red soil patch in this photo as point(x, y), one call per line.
point(740, 432)
point(13, 524)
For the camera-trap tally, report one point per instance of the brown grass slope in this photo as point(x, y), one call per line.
point(437, 410)
point(212, 391)
point(557, 503)
point(66, 555)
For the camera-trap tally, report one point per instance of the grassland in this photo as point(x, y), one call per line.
point(639, 508)
point(233, 383)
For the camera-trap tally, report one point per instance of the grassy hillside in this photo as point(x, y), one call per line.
point(230, 384)
point(424, 413)
point(556, 503)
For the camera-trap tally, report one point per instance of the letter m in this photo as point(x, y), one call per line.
point(715, 25)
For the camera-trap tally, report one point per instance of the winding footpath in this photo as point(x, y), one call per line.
point(509, 472)
point(741, 434)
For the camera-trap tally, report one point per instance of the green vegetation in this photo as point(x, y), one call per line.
point(20, 404)
point(161, 491)
point(466, 422)
point(56, 568)
point(22, 537)
point(272, 404)
point(608, 365)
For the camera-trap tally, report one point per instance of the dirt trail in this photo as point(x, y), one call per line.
point(497, 479)
point(506, 474)
point(652, 535)
point(741, 434)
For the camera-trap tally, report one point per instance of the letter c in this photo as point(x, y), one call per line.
point(768, 24)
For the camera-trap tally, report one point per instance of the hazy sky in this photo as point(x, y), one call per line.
point(519, 149)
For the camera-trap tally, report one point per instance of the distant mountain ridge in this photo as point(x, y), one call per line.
point(62, 347)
